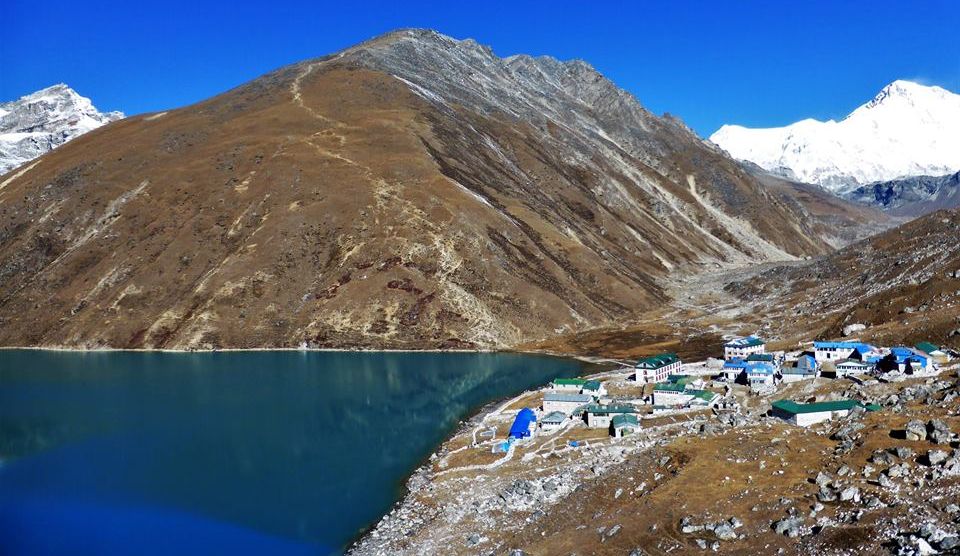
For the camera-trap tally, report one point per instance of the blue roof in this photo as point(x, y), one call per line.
point(521, 425)
point(760, 368)
point(859, 346)
point(735, 364)
point(904, 354)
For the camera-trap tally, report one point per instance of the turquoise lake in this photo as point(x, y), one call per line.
point(229, 452)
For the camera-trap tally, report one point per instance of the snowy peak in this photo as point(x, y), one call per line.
point(41, 121)
point(907, 129)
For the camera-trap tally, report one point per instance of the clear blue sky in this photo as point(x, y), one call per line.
point(756, 63)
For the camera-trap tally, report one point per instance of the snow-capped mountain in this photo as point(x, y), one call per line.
point(908, 129)
point(41, 121)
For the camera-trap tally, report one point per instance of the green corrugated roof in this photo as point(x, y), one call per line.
point(791, 406)
point(669, 387)
point(657, 361)
point(624, 419)
point(927, 347)
point(592, 385)
point(569, 381)
point(704, 395)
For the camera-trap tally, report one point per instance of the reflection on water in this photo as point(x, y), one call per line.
point(254, 452)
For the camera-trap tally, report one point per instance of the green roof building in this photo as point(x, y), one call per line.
point(656, 368)
point(624, 424)
point(806, 414)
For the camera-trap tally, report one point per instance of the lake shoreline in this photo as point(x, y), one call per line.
point(401, 489)
point(591, 359)
point(420, 474)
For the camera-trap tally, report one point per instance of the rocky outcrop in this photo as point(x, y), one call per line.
point(39, 122)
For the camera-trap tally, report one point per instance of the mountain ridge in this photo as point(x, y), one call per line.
point(411, 192)
point(905, 130)
point(43, 120)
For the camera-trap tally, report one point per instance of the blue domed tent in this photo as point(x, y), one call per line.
point(523, 424)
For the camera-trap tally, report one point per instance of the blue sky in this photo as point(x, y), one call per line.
point(756, 63)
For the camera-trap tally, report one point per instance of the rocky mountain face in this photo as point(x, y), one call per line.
point(41, 121)
point(414, 191)
point(908, 129)
point(914, 196)
point(903, 285)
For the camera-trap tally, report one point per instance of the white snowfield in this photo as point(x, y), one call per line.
point(41, 121)
point(908, 129)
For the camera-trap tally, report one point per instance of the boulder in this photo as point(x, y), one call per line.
point(901, 452)
point(725, 532)
point(936, 457)
point(851, 329)
point(851, 493)
point(791, 527)
point(687, 526)
point(915, 430)
point(939, 432)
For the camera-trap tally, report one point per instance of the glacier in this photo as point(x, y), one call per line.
point(908, 129)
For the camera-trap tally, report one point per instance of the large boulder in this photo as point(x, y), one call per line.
point(915, 430)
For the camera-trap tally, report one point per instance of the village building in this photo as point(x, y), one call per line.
point(703, 398)
point(761, 375)
point(594, 388)
point(601, 416)
point(762, 358)
point(671, 394)
point(574, 385)
point(834, 351)
point(911, 360)
point(553, 420)
point(803, 367)
point(564, 402)
point(624, 424)
point(741, 348)
point(679, 394)
point(846, 367)
point(733, 368)
point(657, 368)
point(938, 355)
point(524, 425)
point(806, 414)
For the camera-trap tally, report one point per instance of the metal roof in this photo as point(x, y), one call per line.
point(592, 385)
point(749, 341)
point(657, 361)
point(927, 347)
point(795, 408)
point(564, 397)
point(554, 417)
point(624, 420)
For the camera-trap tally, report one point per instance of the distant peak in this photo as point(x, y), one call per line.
point(901, 88)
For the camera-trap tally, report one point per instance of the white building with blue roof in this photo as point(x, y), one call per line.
point(835, 351)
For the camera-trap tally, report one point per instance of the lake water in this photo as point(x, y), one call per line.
point(230, 452)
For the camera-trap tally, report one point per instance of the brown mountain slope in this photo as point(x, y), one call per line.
point(411, 192)
point(904, 285)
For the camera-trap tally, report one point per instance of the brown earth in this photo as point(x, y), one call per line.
point(757, 473)
point(411, 192)
point(903, 284)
